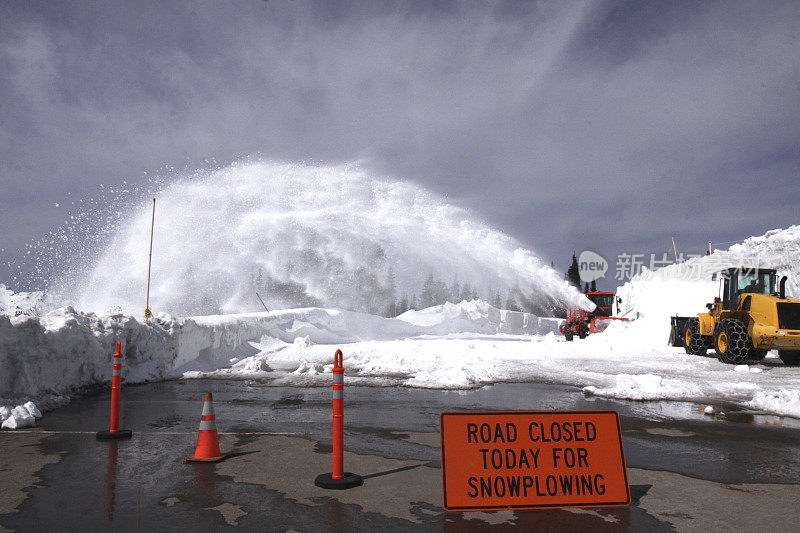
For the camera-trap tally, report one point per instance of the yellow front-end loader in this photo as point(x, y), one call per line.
point(748, 319)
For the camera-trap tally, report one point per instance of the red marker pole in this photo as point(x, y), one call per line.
point(338, 479)
point(116, 381)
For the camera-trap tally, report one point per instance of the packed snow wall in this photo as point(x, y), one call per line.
point(685, 288)
point(67, 351)
point(299, 236)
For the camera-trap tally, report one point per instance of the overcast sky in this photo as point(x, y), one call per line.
point(609, 126)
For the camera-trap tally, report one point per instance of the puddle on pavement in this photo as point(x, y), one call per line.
point(288, 402)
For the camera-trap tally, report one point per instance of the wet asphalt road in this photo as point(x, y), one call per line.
point(82, 484)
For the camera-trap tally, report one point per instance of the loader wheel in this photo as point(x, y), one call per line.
point(732, 342)
point(757, 355)
point(567, 333)
point(790, 357)
point(694, 343)
point(583, 330)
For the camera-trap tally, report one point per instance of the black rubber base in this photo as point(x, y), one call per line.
point(120, 434)
point(349, 481)
point(217, 459)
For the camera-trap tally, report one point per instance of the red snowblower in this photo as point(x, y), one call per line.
point(582, 323)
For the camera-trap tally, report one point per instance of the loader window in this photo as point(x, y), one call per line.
point(752, 282)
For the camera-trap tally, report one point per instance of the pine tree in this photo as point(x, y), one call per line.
point(441, 294)
point(403, 305)
point(594, 286)
point(426, 298)
point(391, 293)
point(455, 291)
point(466, 292)
point(574, 272)
point(511, 301)
point(498, 302)
point(586, 287)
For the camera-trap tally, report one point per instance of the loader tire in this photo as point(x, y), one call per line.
point(756, 354)
point(731, 341)
point(790, 357)
point(583, 330)
point(568, 333)
point(694, 343)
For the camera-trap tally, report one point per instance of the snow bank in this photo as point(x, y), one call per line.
point(22, 303)
point(66, 351)
point(20, 416)
point(780, 402)
point(620, 363)
point(685, 288)
point(477, 316)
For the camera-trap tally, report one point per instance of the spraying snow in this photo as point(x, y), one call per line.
point(301, 236)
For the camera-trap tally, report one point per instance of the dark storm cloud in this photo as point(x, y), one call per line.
point(570, 125)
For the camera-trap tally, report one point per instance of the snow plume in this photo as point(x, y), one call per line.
point(300, 236)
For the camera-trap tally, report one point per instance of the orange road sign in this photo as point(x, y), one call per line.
point(529, 459)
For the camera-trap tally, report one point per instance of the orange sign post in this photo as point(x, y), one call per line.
point(530, 459)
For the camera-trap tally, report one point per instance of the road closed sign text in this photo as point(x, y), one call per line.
point(527, 459)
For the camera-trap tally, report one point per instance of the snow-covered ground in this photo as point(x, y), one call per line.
point(625, 362)
point(463, 345)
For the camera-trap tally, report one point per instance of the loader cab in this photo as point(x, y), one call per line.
point(604, 302)
point(737, 281)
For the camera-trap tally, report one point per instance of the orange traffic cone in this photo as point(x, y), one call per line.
point(207, 450)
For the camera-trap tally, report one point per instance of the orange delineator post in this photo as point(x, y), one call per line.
point(116, 383)
point(338, 416)
point(338, 479)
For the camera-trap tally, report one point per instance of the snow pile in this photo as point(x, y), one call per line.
point(685, 288)
point(21, 416)
point(22, 303)
point(66, 351)
point(478, 317)
point(619, 363)
point(780, 402)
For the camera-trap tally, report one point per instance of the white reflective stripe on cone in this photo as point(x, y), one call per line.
point(116, 372)
point(206, 425)
point(338, 395)
point(208, 409)
point(338, 378)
